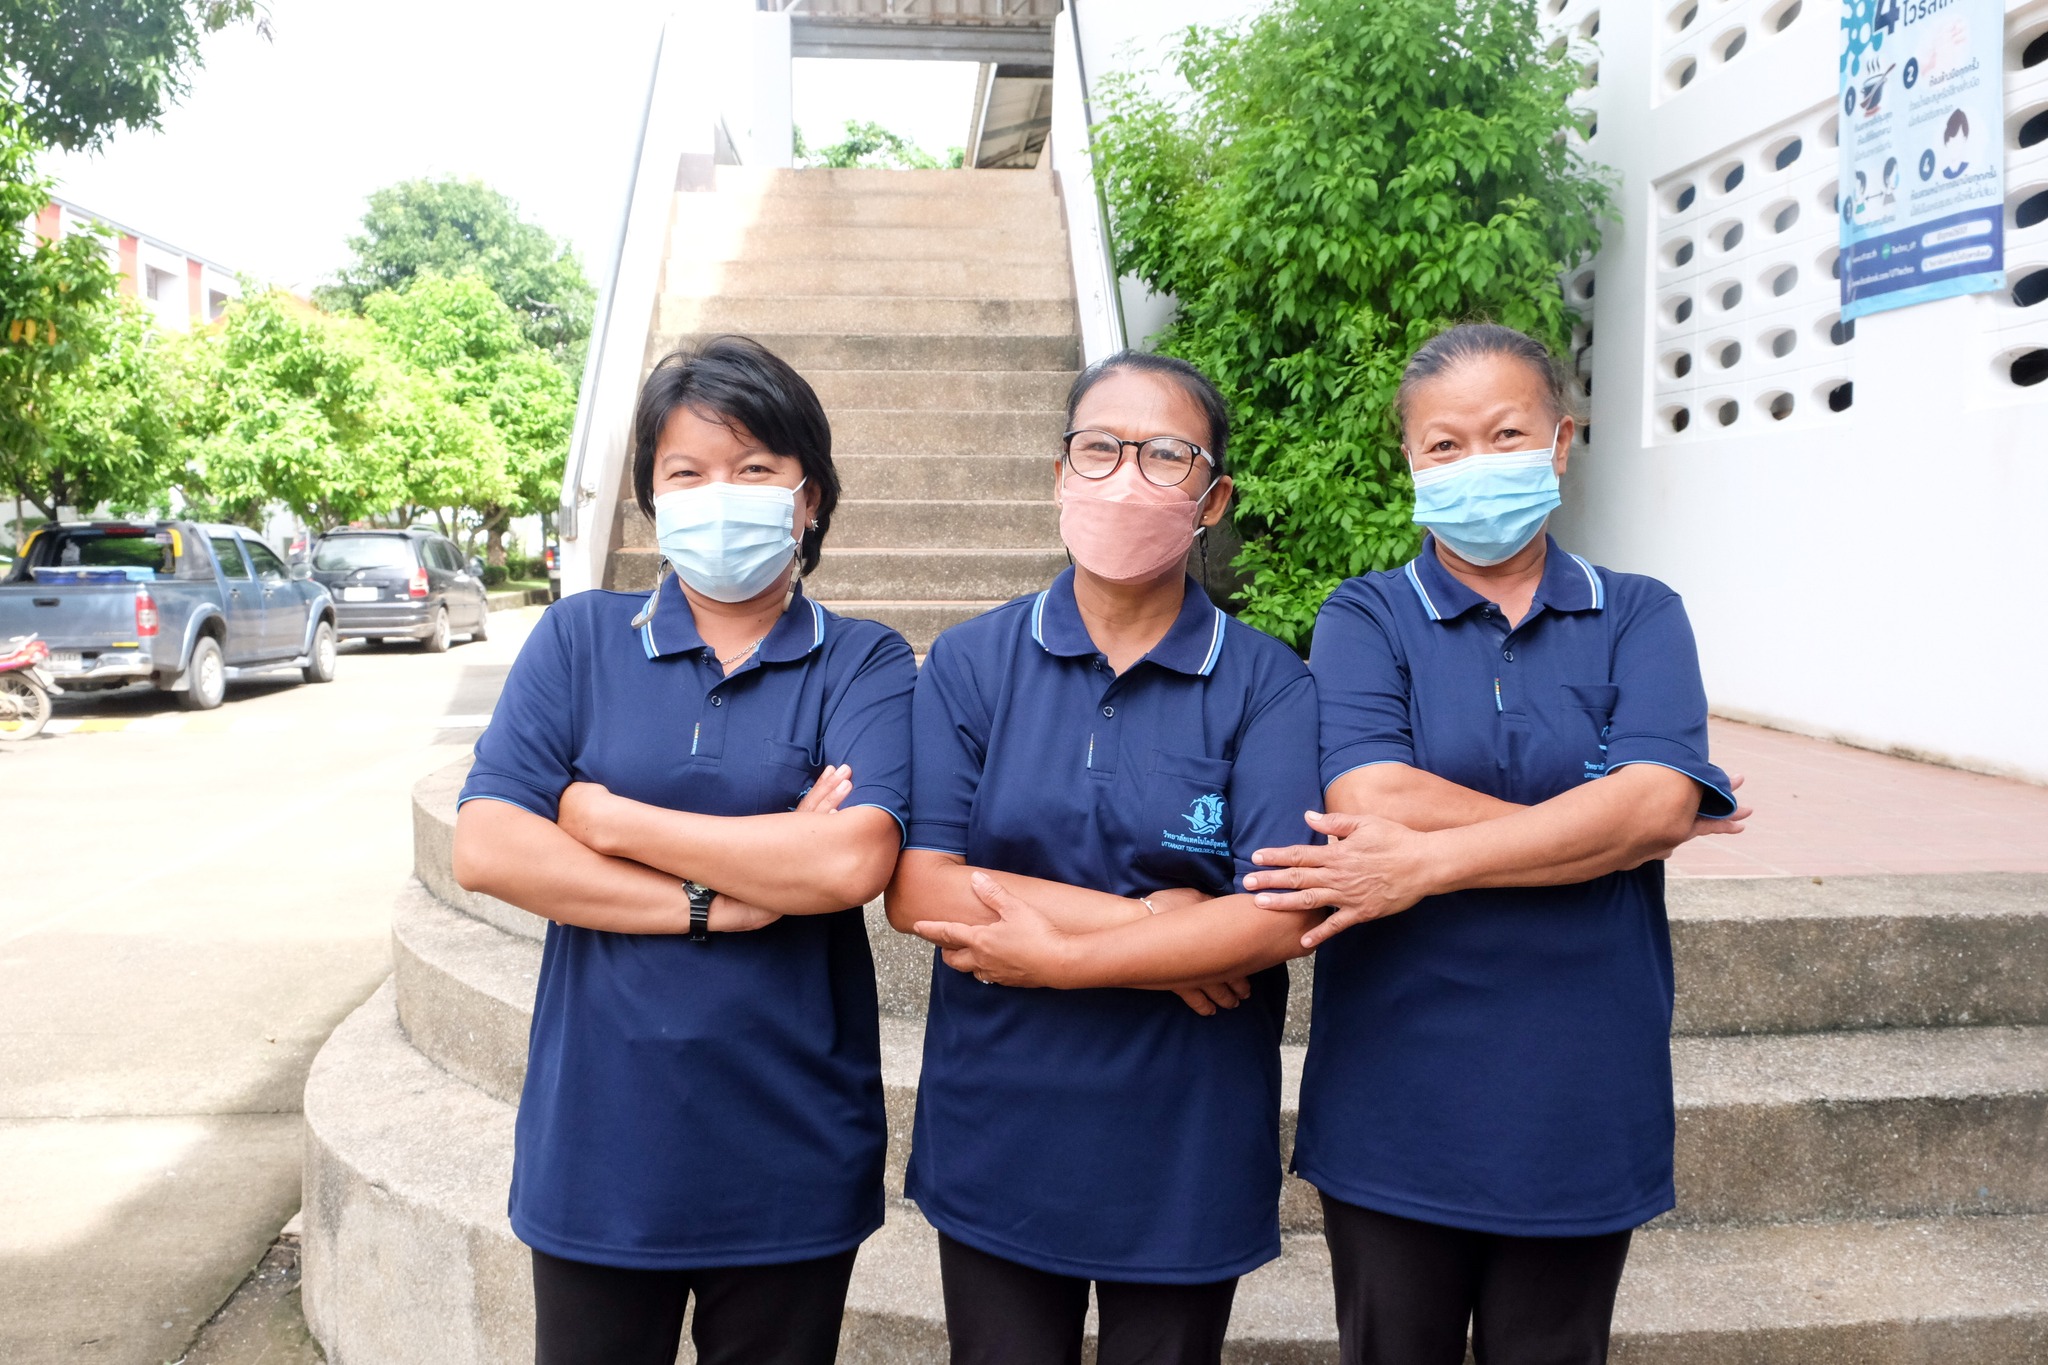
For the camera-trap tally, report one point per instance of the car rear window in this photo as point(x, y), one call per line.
point(347, 553)
point(141, 554)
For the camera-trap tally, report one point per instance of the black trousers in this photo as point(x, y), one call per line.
point(746, 1315)
point(1406, 1292)
point(1002, 1313)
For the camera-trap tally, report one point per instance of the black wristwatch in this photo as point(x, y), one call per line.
point(700, 910)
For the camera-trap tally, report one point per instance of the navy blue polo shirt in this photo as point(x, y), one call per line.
point(1500, 1060)
point(1112, 1134)
point(715, 1104)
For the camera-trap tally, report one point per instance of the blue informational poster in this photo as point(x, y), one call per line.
point(1922, 151)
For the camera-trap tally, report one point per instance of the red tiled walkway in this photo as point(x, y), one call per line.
point(1829, 810)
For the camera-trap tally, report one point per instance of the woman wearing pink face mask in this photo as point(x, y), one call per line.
point(1092, 767)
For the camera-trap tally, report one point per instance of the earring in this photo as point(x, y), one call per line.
point(814, 523)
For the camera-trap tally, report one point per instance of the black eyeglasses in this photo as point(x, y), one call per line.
point(1163, 460)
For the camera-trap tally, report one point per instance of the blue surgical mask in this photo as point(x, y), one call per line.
point(729, 541)
point(1487, 507)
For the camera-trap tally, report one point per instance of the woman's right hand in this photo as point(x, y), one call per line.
point(1212, 996)
point(730, 916)
point(831, 786)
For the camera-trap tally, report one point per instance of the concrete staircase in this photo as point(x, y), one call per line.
point(1862, 1073)
point(933, 312)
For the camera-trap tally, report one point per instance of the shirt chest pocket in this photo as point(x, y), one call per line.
point(1588, 720)
point(1187, 795)
point(783, 775)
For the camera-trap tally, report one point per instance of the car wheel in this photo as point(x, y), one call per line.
point(483, 625)
point(208, 676)
point(321, 669)
point(437, 642)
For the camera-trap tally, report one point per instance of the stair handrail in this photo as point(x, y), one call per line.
point(1097, 297)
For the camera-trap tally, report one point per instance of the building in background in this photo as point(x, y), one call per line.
point(182, 290)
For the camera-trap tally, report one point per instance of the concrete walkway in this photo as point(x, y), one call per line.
point(1826, 810)
point(190, 905)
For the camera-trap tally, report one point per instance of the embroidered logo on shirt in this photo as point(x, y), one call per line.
point(1204, 821)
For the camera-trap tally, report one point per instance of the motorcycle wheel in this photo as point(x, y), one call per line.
point(24, 707)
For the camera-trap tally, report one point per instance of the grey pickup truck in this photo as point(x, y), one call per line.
point(183, 605)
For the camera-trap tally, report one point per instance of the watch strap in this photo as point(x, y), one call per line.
point(700, 910)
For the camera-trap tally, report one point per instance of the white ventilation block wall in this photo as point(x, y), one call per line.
point(1856, 517)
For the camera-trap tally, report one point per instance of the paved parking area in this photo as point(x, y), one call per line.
point(189, 904)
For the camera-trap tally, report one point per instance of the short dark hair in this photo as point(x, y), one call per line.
point(1477, 340)
point(1191, 380)
point(741, 383)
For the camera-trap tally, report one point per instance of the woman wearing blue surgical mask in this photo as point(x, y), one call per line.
point(699, 787)
point(1512, 741)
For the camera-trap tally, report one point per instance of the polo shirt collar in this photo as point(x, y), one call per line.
point(667, 625)
point(1191, 645)
point(1569, 584)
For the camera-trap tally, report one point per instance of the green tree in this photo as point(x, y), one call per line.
point(457, 227)
point(83, 416)
point(1345, 180)
point(872, 145)
point(461, 331)
point(78, 69)
point(291, 403)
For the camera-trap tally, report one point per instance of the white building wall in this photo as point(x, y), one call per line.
point(1866, 574)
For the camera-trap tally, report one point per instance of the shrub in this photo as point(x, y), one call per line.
point(495, 575)
point(1345, 180)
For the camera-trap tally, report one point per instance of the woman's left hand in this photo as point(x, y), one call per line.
point(1371, 868)
point(581, 813)
point(1021, 948)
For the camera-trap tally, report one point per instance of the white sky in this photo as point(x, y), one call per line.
point(266, 166)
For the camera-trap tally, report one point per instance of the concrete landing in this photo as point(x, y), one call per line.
point(1827, 810)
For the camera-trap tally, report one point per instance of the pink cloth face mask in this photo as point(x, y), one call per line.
point(1125, 529)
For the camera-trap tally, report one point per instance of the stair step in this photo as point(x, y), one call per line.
point(1935, 1292)
point(965, 435)
point(866, 524)
point(911, 575)
point(710, 236)
point(945, 477)
point(1038, 212)
point(809, 351)
point(433, 855)
point(864, 181)
point(408, 1256)
point(861, 523)
point(1791, 954)
point(464, 992)
point(917, 622)
point(407, 1169)
point(966, 279)
point(845, 391)
point(1888, 1124)
point(871, 315)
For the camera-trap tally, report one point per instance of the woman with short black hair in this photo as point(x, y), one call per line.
point(698, 787)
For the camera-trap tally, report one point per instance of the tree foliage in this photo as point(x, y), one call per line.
point(286, 402)
point(1345, 180)
point(79, 69)
point(460, 331)
point(83, 417)
point(456, 227)
point(870, 144)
